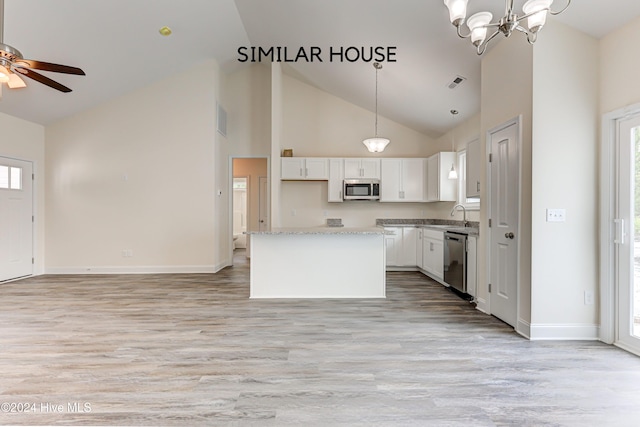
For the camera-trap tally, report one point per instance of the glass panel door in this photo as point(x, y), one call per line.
point(627, 237)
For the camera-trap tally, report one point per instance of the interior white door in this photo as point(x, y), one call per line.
point(504, 190)
point(627, 238)
point(16, 218)
point(263, 205)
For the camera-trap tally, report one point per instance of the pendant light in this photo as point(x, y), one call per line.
point(452, 173)
point(376, 144)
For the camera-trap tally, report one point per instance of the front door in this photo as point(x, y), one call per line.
point(16, 218)
point(627, 238)
point(504, 167)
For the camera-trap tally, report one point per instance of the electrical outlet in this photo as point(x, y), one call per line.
point(556, 215)
point(127, 253)
point(588, 297)
point(293, 212)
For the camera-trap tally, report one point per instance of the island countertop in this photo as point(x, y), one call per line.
point(319, 230)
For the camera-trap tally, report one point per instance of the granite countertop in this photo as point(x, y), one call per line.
point(435, 224)
point(321, 230)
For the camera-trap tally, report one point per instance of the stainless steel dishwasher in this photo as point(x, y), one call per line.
point(455, 260)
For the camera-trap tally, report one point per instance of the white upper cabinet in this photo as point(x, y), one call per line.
point(336, 180)
point(473, 168)
point(362, 168)
point(439, 187)
point(301, 168)
point(402, 180)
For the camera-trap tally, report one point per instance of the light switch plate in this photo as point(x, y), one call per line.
point(556, 215)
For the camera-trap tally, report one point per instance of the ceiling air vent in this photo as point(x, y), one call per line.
point(456, 81)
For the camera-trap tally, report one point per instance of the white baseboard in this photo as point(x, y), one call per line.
point(481, 305)
point(524, 328)
point(580, 332)
point(155, 269)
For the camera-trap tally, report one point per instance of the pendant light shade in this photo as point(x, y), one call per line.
point(376, 144)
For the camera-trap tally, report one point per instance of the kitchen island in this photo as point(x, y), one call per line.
point(322, 262)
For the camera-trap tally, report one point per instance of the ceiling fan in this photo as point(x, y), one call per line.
point(13, 65)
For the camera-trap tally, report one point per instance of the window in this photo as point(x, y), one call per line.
point(470, 203)
point(10, 177)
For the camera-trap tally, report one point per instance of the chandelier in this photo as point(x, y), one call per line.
point(535, 12)
point(376, 144)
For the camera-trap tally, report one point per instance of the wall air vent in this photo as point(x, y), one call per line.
point(455, 82)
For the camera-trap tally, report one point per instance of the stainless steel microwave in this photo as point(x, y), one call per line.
point(361, 189)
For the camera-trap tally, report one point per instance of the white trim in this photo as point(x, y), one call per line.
point(524, 328)
point(230, 199)
point(482, 305)
point(580, 332)
point(518, 122)
point(608, 155)
point(154, 269)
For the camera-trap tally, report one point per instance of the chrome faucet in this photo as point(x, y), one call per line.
point(464, 213)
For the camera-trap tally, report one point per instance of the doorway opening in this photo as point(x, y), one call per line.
point(250, 201)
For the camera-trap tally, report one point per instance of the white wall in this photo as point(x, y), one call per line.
point(565, 175)
point(506, 93)
point(24, 140)
point(318, 124)
point(247, 99)
point(619, 64)
point(140, 173)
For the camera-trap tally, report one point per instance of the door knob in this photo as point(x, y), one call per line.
point(509, 235)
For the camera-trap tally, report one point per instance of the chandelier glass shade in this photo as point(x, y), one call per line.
point(376, 144)
point(479, 25)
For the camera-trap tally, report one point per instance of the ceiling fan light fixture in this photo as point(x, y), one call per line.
point(4, 74)
point(15, 82)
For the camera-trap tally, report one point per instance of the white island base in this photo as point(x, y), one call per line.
point(318, 263)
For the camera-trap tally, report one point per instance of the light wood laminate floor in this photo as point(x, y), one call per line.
point(192, 349)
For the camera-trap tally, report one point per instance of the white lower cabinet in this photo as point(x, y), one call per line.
point(400, 246)
point(472, 265)
point(433, 253)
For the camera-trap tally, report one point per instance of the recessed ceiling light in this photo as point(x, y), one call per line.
point(165, 31)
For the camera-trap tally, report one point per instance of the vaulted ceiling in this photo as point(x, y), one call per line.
point(117, 44)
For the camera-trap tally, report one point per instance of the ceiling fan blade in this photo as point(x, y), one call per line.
point(47, 66)
point(42, 79)
point(15, 82)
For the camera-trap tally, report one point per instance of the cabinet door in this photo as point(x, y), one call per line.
point(352, 168)
point(391, 243)
point(472, 265)
point(370, 168)
point(336, 179)
point(433, 173)
point(438, 259)
point(292, 168)
point(419, 249)
point(409, 242)
point(427, 254)
point(473, 168)
point(316, 168)
point(390, 179)
point(412, 183)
